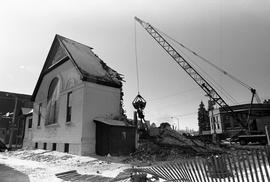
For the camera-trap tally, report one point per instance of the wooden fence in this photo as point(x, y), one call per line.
point(238, 166)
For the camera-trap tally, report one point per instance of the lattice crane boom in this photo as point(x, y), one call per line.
point(208, 89)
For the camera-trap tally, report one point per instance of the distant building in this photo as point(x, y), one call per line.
point(74, 87)
point(7, 106)
point(222, 121)
point(28, 133)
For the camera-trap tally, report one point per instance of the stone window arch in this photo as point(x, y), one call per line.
point(53, 102)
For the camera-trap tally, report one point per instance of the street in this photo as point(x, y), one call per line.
point(8, 174)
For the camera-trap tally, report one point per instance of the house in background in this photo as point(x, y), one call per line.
point(74, 87)
point(28, 134)
point(221, 122)
point(7, 106)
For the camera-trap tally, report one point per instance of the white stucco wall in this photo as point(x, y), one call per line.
point(89, 100)
point(99, 101)
point(61, 132)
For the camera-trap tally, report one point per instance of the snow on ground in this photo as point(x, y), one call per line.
point(42, 165)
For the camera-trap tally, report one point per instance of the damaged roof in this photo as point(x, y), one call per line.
point(90, 67)
point(89, 64)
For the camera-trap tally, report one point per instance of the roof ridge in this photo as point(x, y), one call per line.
point(108, 69)
point(62, 37)
point(80, 55)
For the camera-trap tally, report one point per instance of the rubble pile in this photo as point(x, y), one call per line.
point(167, 144)
point(39, 155)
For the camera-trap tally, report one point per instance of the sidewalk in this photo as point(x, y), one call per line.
point(8, 174)
point(42, 165)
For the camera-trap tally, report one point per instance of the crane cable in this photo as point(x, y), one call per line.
point(136, 58)
point(137, 65)
point(207, 61)
point(212, 82)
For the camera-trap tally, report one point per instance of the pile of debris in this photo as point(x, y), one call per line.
point(165, 144)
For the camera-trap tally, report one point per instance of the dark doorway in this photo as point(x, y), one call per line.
point(54, 146)
point(114, 138)
point(66, 149)
point(44, 146)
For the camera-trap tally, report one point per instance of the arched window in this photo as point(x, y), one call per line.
point(52, 102)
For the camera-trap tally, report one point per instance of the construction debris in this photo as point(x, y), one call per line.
point(73, 175)
point(166, 144)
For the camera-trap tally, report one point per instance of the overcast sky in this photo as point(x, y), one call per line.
point(233, 34)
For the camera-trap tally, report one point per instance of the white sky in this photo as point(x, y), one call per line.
point(233, 34)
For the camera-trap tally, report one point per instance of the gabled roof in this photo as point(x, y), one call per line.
point(89, 66)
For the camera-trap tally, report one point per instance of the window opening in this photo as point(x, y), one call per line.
point(69, 107)
point(217, 121)
point(52, 102)
point(30, 123)
point(66, 148)
point(39, 113)
point(54, 146)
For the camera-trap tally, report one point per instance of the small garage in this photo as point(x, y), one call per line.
point(114, 137)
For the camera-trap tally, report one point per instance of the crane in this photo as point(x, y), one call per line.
point(180, 60)
point(252, 90)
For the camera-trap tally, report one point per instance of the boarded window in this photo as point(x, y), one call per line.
point(44, 146)
point(69, 107)
point(52, 102)
point(30, 123)
point(66, 148)
point(54, 146)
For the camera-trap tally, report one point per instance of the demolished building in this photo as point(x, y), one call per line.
point(74, 87)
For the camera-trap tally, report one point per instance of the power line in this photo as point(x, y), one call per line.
point(212, 82)
point(222, 90)
point(206, 60)
point(170, 105)
point(187, 114)
point(178, 115)
point(172, 95)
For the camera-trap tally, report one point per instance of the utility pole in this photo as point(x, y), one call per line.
point(177, 121)
point(212, 118)
point(12, 126)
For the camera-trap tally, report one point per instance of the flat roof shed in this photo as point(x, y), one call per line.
point(114, 137)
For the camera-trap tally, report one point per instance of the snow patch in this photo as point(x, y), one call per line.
point(42, 165)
